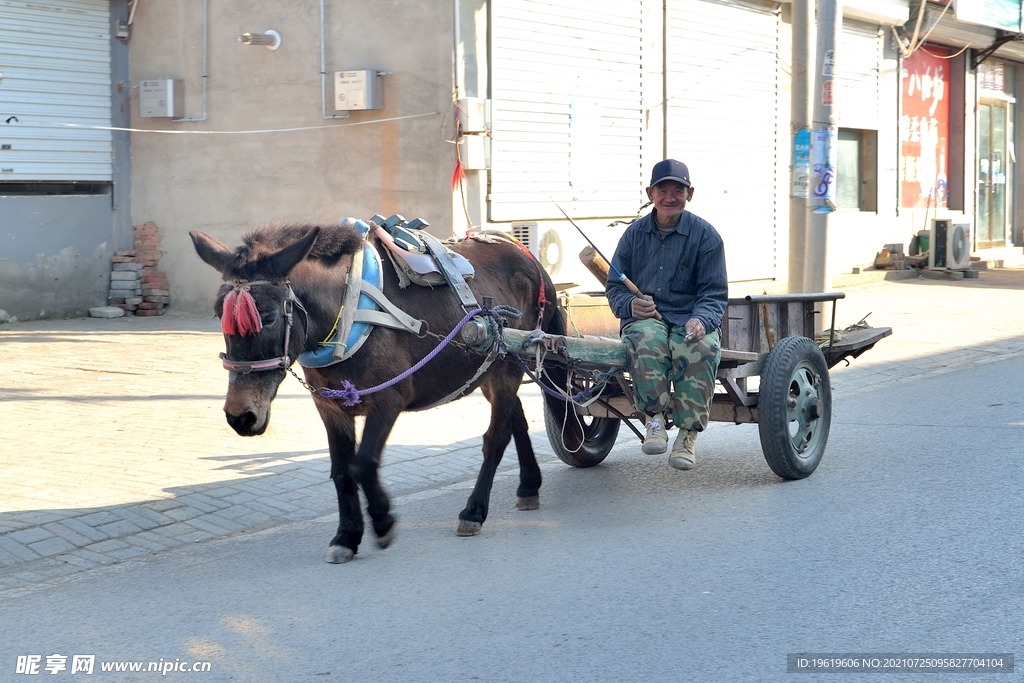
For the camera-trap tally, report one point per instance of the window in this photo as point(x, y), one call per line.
point(53, 188)
point(857, 174)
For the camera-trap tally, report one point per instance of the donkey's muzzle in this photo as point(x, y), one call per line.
point(247, 424)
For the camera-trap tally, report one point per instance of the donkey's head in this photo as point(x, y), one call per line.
point(262, 335)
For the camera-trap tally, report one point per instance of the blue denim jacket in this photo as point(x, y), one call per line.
point(685, 272)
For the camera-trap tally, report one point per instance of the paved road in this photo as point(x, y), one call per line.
point(115, 444)
point(117, 461)
point(906, 539)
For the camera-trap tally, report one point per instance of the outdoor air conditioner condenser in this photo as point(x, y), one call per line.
point(527, 233)
point(949, 245)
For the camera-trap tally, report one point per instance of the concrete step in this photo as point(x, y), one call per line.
point(1001, 257)
point(868, 276)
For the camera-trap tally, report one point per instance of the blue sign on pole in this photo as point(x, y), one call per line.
point(825, 152)
point(801, 164)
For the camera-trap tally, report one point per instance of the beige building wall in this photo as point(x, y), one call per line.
point(202, 173)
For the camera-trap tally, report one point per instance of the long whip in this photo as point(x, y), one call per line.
point(615, 271)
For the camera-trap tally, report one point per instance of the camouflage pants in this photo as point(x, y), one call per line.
point(671, 375)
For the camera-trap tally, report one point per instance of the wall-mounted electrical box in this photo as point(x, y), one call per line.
point(358, 90)
point(162, 98)
point(474, 115)
point(475, 152)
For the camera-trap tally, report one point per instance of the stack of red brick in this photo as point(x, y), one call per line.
point(136, 285)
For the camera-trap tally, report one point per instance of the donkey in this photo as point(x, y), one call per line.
point(282, 294)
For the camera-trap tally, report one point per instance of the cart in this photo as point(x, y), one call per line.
point(769, 338)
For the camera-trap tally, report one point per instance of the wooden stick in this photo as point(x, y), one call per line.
point(600, 268)
point(597, 266)
point(769, 334)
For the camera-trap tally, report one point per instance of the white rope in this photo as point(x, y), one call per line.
point(565, 418)
point(240, 132)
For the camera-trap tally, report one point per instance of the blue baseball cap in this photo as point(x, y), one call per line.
point(670, 169)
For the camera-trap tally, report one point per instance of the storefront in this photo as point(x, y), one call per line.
point(724, 114)
point(64, 173)
point(567, 122)
point(994, 154)
point(983, 68)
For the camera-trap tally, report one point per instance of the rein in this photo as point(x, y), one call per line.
point(351, 396)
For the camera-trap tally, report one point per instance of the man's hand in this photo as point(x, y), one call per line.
point(694, 330)
point(642, 307)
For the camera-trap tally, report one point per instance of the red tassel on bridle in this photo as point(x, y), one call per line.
point(240, 316)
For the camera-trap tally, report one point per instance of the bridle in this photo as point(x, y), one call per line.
point(283, 361)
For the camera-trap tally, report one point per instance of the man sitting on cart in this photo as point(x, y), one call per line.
point(671, 330)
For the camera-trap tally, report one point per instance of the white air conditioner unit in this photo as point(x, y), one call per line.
point(547, 248)
point(550, 250)
point(949, 245)
point(527, 233)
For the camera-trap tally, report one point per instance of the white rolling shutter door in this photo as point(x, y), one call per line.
point(55, 61)
point(566, 108)
point(723, 123)
point(857, 69)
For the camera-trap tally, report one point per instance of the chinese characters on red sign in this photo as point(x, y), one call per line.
point(924, 128)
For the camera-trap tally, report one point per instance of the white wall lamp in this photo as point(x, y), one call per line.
point(269, 39)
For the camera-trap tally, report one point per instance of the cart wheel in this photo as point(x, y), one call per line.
point(598, 437)
point(794, 407)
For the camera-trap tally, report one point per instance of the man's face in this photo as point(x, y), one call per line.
point(669, 199)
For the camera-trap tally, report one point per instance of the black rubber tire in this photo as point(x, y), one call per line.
point(794, 407)
point(599, 435)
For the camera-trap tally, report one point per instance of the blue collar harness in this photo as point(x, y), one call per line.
point(363, 306)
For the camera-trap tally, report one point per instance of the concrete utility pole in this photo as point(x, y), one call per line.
point(800, 129)
point(824, 150)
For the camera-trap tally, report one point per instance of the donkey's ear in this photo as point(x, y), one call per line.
point(210, 250)
point(280, 264)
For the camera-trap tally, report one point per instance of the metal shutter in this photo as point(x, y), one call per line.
point(723, 123)
point(566, 108)
point(857, 66)
point(55, 61)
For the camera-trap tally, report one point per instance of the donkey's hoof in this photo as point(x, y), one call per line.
point(339, 554)
point(385, 540)
point(468, 528)
point(528, 503)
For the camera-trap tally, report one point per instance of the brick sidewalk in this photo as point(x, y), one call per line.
point(115, 445)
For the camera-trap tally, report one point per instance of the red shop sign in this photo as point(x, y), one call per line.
point(924, 128)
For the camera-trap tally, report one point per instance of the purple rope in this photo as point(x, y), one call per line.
point(351, 396)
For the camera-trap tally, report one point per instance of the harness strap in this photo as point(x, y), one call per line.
point(450, 270)
point(392, 316)
point(349, 303)
point(246, 367)
point(382, 319)
point(496, 351)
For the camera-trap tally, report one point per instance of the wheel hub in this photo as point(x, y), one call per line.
point(804, 406)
